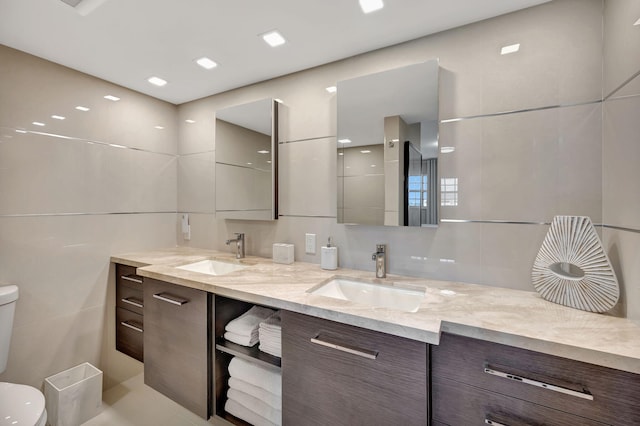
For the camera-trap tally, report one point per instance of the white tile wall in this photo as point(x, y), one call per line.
point(69, 201)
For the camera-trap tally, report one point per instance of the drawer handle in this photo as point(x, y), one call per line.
point(566, 391)
point(130, 278)
point(365, 353)
point(165, 297)
point(132, 325)
point(133, 301)
point(493, 423)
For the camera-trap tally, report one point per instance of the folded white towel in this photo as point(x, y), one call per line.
point(240, 339)
point(264, 376)
point(272, 323)
point(257, 406)
point(248, 322)
point(271, 350)
point(240, 411)
point(273, 400)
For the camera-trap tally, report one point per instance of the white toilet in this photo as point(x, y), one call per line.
point(19, 404)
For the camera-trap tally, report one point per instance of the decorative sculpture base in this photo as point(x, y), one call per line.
point(572, 268)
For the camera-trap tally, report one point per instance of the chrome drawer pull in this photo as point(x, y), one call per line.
point(170, 299)
point(130, 278)
point(365, 353)
point(583, 395)
point(131, 326)
point(133, 301)
point(492, 423)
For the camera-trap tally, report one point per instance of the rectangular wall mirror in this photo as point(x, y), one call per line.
point(388, 147)
point(246, 161)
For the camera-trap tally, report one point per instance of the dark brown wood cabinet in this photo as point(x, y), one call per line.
point(129, 315)
point(473, 379)
point(177, 342)
point(337, 374)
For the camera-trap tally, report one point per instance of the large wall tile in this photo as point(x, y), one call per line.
point(525, 167)
point(45, 174)
point(34, 89)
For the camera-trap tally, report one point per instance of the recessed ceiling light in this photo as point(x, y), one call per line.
point(249, 164)
point(512, 48)
point(447, 149)
point(369, 6)
point(112, 98)
point(331, 89)
point(341, 153)
point(273, 38)
point(190, 121)
point(365, 151)
point(58, 117)
point(37, 123)
point(637, 22)
point(158, 127)
point(157, 81)
point(263, 151)
point(206, 63)
point(82, 108)
point(344, 140)
point(373, 165)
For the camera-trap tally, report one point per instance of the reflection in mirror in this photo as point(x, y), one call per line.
point(246, 161)
point(388, 147)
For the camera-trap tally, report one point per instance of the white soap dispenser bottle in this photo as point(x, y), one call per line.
point(329, 256)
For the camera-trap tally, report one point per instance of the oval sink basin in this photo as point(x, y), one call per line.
point(212, 267)
point(372, 294)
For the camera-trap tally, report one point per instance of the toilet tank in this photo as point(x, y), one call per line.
point(8, 297)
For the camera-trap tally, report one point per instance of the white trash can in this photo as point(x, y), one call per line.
point(73, 396)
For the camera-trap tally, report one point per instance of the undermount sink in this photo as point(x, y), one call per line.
point(372, 294)
point(212, 267)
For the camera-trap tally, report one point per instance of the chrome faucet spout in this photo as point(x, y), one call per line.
point(380, 257)
point(239, 240)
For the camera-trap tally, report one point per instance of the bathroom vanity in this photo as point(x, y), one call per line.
point(469, 355)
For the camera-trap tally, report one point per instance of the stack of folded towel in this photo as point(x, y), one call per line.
point(244, 329)
point(270, 335)
point(255, 393)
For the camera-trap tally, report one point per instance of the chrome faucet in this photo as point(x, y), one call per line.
point(239, 244)
point(380, 258)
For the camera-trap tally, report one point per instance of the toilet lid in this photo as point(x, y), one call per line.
point(20, 403)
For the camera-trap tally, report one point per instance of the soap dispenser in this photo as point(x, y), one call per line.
point(329, 256)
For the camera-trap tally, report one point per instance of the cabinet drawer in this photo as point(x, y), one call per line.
point(604, 394)
point(126, 276)
point(335, 374)
point(129, 297)
point(455, 404)
point(176, 344)
point(129, 333)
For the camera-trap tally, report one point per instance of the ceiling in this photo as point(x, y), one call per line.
point(128, 41)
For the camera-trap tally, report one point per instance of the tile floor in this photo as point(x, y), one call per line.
point(132, 403)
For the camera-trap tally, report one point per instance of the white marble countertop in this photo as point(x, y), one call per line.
point(512, 317)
